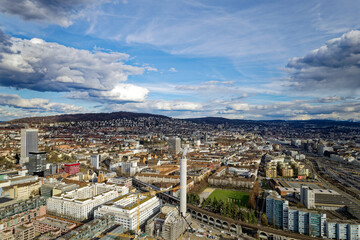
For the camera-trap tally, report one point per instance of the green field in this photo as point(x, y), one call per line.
point(239, 196)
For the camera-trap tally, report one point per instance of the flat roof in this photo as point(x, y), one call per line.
point(5, 199)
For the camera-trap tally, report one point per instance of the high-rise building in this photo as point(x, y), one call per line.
point(37, 163)
point(29, 143)
point(307, 197)
point(95, 161)
point(174, 145)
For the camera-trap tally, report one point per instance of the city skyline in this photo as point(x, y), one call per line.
point(233, 59)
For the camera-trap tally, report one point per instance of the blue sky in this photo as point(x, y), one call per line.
point(233, 59)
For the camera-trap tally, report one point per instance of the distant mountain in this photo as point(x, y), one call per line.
point(85, 117)
point(204, 120)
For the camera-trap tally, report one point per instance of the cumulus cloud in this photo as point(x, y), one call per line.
point(36, 104)
point(59, 12)
point(45, 66)
point(172, 69)
point(334, 67)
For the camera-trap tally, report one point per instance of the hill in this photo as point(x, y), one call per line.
point(85, 117)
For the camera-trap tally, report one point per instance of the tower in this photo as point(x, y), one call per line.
point(174, 145)
point(29, 143)
point(183, 178)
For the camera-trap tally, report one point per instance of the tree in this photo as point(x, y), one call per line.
point(254, 194)
point(264, 220)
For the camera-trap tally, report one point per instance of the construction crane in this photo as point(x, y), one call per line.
point(138, 195)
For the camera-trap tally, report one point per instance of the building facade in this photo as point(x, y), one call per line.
point(125, 210)
point(72, 169)
point(29, 143)
point(309, 223)
point(80, 204)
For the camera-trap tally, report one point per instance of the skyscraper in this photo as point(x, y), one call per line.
point(174, 145)
point(29, 143)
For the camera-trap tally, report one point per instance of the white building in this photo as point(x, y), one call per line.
point(29, 143)
point(307, 197)
point(125, 210)
point(129, 168)
point(80, 204)
point(95, 160)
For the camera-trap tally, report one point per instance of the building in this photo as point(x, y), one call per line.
point(72, 168)
point(167, 224)
point(46, 224)
point(95, 161)
point(25, 232)
point(37, 163)
point(80, 204)
point(125, 210)
point(126, 181)
point(309, 223)
point(90, 230)
point(129, 168)
point(51, 187)
point(29, 143)
point(307, 197)
point(174, 145)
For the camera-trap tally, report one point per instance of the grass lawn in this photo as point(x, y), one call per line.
point(224, 195)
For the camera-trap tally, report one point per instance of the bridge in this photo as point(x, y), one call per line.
point(224, 223)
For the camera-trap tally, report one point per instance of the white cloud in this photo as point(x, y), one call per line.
point(172, 69)
point(37, 104)
point(45, 66)
point(158, 106)
point(123, 93)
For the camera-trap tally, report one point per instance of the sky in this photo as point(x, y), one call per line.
point(259, 60)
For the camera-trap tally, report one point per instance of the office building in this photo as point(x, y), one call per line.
point(80, 204)
point(72, 168)
point(125, 210)
point(95, 161)
point(29, 143)
point(174, 145)
point(37, 163)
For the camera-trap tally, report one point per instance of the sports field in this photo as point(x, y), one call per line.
point(239, 197)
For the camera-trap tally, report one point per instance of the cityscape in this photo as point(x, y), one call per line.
point(174, 120)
